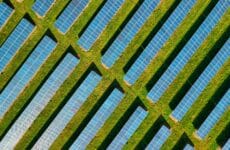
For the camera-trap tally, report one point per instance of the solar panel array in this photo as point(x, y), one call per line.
point(14, 42)
point(158, 41)
point(23, 104)
point(41, 7)
point(188, 50)
point(5, 12)
point(226, 145)
point(98, 120)
point(68, 111)
point(128, 33)
point(159, 139)
point(25, 73)
point(128, 129)
point(39, 101)
point(203, 80)
point(214, 116)
point(70, 14)
point(99, 23)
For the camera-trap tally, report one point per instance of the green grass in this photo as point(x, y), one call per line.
point(116, 73)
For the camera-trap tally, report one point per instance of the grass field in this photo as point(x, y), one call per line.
point(158, 112)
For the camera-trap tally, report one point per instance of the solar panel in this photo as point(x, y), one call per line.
point(98, 120)
point(14, 42)
point(188, 147)
point(221, 57)
point(128, 129)
point(68, 111)
point(188, 50)
point(159, 139)
point(5, 12)
point(214, 116)
point(99, 23)
point(41, 7)
point(39, 101)
point(128, 33)
point(226, 145)
point(158, 41)
point(25, 73)
point(70, 14)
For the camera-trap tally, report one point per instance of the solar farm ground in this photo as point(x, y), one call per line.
point(158, 113)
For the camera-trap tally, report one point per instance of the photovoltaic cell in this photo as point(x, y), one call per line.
point(25, 73)
point(42, 6)
point(221, 57)
point(158, 41)
point(68, 111)
point(128, 129)
point(214, 116)
point(159, 139)
point(39, 102)
point(186, 53)
point(98, 24)
point(14, 42)
point(70, 14)
point(98, 120)
point(128, 33)
point(5, 12)
point(226, 145)
point(188, 147)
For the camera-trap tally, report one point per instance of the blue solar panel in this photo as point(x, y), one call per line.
point(159, 139)
point(25, 73)
point(99, 23)
point(214, 116)
point(5, 12)
point(128, 129)
point(42, 6)
point(68, 111)
point(70, 14)
point(226, 145)
point(188, 147)
point(14, 42)
point(186, 53)
point(128, 33)
point(39, 102)
point(158, 41)
point(221, 57)
point(98, 120)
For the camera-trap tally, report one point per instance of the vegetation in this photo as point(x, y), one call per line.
point(136, 94)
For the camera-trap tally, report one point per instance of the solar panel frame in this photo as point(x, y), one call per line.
point(14, 42)
point(98, 120)
point(97, 26)
point(41, 7)
point(70, 14)
point(187, 52)
point(26, 72)
point(158, 41)
point(39, 102)
point(159, 138)
point(128, 129)
point(197, 88)
point(129, 32)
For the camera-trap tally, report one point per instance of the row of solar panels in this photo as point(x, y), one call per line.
point(26, 28)
point(49, 88)
point(47, 91)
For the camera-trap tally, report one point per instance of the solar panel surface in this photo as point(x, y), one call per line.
point(25, 73)
point(39, 101)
